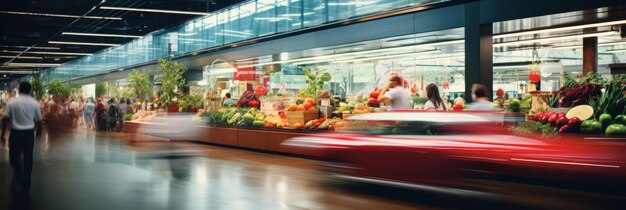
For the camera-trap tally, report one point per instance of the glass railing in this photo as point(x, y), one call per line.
point(244, 21)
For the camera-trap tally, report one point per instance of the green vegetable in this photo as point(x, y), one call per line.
point(615, 130)
point(605, 119)
point(591, 127)
point(621, 119)
point(258, 123)
point(234, 119)
point(248, 118)
point(299, 101)
point(326, 77)
point(259, 116)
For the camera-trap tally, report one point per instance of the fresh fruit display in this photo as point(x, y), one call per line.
point(260, 90)
point(310, 101)
point(500, 93)
point(307, 105)
point(373, 99)
point(293, 107)
point(258, 123)
point(582, 112)
point(297, 126)
point(579, 94)
point(253, 103)
point(605, 119)
point(591, 127)
point(615, 129)
point(323, 124)
point(360, 109)
point(248, 118)
point(300, 108)
point(458, 106)
point(621, 119)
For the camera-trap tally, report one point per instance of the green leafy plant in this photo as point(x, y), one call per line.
point(419, 100)
point(529, 128)
point(140, 84)
point(101, 89)
point(315, 81)
point(38, 88)
point(128, 117)
point(171, 78)
point(56, 88)
point(613, 100)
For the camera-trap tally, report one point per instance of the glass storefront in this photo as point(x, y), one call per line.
point(356, 68)
point(244, 21)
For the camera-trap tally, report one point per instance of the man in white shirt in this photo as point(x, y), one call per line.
point(24, 116)
point(395, 94)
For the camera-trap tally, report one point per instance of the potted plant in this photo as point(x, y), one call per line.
point(140, 84)
point(171, 79)
point(38, 88)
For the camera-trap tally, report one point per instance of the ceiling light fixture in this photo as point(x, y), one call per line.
point(31, 47)
point(59, 15)
point(32, 64)
point(26, 71)
point(155, 11)
point(20, 57)
point(84, 43)
point(418, 46)
point(102, 35)
point(610, 23)
point(46, 53)
point(616, 50)
point(606, 33)
point(580, 46)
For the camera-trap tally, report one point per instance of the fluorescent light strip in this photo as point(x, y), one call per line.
point(236, 32)
point(46, 53)
point(615, 51)
point(156, 11)
point(32, 64)
point(606, 33)
point(418, 46)
point(610, 23)
point(31, 47)
point(580, 46)
point(26, 71)
point(101, 35)
point(59, 15)
point(387, 56)
point(84, 43)
point(351, 3)
point(233, 35)
point(20, 57)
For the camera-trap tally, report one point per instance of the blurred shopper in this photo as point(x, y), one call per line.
point(111, 115)
point(394, 94)
point(100, 116)
point(122, 109)
point(435, 102)
point(247, 96)
point(480, 96)
point(81, 111)
point(24, 115)
point(89, 109)
point(74, 109)
point(227, 101)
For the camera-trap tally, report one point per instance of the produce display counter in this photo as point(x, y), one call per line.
point(264, 139)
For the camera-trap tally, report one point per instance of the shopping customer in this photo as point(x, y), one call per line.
point(394, 94)
point(24, 116)
point(122, 109)
point(89, 109)
point(435, 102)
point(111, 115)
point(480, 96)
point(100, 116)
point(227, 101)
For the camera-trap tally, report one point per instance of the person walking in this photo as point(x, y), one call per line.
point(24, 116)
point(122, 109)
point(111, 115)
point(89, 109)
point(100, 116)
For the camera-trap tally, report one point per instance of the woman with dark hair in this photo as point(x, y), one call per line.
point(481, 98)
point(435, 102)
point(100, 116)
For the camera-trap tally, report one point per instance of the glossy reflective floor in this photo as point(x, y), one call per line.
point(92, 170)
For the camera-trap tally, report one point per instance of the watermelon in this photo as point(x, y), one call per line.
point(258, 123)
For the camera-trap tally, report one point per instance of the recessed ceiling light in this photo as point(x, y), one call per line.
point(31, 47)
point(46, 53)
point(20, 57)
point(33, 64)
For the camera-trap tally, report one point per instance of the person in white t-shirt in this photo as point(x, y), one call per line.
point(394, 94)
point(435, 102)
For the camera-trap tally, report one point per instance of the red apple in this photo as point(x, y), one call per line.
point(538, 116)
point(553, 118)
point(562, 121)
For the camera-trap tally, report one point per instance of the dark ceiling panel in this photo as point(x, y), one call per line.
point(38, 28)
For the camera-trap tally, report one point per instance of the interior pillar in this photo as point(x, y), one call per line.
point(590, 55)
point(478, 50)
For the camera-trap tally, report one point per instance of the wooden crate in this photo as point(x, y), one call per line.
point(302, 117)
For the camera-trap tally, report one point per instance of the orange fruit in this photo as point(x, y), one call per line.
point(297, 126)
point(293, 107)
point(307, 105)
point(310, 100)
point(301, 107)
